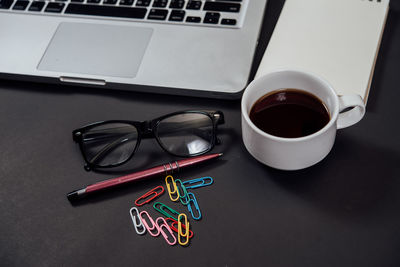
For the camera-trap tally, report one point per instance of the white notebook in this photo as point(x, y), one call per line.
point(336, 39)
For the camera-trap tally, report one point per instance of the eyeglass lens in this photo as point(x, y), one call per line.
point(183, 135)
point(186, 134)
point(109, 144)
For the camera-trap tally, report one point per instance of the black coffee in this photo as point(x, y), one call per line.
point(289, 113)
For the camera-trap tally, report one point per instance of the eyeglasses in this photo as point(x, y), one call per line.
point(108, 144)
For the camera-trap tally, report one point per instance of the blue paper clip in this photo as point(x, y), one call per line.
point(183, 197)
point(192, 200)
point(137, 221)
point(199, 182)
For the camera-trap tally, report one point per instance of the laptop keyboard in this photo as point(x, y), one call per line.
point(217, 13)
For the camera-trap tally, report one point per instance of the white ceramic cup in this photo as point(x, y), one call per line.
point(297, 153)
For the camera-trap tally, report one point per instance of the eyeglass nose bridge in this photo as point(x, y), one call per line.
point(146, 129)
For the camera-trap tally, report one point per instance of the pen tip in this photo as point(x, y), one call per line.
point(220, 154)
point(75, 195)
point(72, 196)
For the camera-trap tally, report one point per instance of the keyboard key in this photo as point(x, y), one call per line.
point(228, 21)
point(211, 18)
point(108, 11)
point(192, 19)
point(36, 6)
point(178, 4)
point(110, 2)
point(143, 2)
point(77, 1)
point(54, 7)
point(20, 5)
point(158, 14)
point(177, 15)
point(126, 2)
point(6, 4)
point(222, 6)
point(193, 4)
point(93, 1)
point(160, 3)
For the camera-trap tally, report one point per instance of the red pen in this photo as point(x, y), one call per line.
point(164, 168)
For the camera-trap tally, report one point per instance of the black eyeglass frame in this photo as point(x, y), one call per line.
point(148, 129)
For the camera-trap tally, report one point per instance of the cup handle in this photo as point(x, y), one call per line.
point(351, 110)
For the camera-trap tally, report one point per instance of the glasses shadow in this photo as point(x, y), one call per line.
point(151, 155)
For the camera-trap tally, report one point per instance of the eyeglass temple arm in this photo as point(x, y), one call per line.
point(219, 116)
point(196, 123)
point(113, 145)
point(108, 133)
point(169, 127)
point(104, 133)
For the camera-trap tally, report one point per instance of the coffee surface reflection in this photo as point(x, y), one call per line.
point(289, 113)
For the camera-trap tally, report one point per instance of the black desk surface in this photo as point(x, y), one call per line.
point(345, 211)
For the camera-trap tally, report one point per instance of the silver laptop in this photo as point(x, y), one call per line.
point(186, 47)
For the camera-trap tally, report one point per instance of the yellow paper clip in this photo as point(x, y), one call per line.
point(173, 192)
point(183, 226)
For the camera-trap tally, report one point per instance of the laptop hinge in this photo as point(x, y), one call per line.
point(82, 80)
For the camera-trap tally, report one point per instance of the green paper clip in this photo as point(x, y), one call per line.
point(182, 195)
point(162, 209)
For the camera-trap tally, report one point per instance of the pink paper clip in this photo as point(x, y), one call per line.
point(154, 225)
point(155, 192)
point(163, 233)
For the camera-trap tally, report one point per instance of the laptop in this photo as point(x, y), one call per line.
point(185, 47)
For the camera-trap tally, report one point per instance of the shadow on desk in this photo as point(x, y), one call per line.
point(153, 98)
point(151, 155)
point(351, 182)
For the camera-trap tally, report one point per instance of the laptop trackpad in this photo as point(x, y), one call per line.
point(96, 49)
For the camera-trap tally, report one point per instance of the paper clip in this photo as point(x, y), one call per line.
point(182, 196)
point(185, 235)
point(174, 224)
point(192, 200)
point(163, 233)
point(162, 209)
point(175, 189)
point(148, 194)
point(137, 221)
point(199, 182)
point(154, 225)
